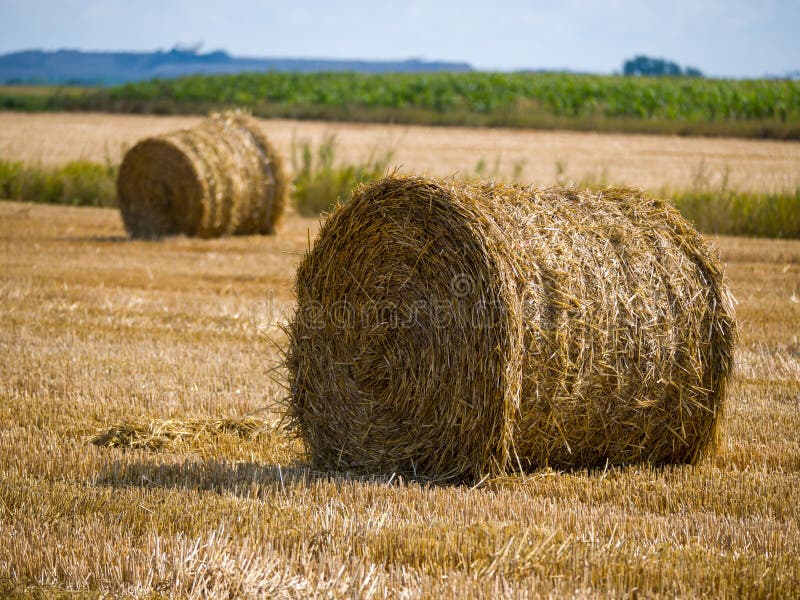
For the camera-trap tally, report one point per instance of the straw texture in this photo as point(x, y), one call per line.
point(452, 330)
point(222, 177)
point(159, 435)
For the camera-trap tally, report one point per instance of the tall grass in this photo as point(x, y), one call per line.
point(320, 181)
point(79, 183)
point(737, 213)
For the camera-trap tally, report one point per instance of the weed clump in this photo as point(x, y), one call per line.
point(320, 182)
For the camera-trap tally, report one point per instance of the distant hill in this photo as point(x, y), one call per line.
point(107, 68)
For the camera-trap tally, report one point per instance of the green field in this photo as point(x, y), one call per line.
point(690, 106)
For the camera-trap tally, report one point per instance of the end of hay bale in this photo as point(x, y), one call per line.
point(160, 190)
point(449, 330)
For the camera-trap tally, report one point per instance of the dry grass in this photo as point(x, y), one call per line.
point(98, 331)
point(543, 157)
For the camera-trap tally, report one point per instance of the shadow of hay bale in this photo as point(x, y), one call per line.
point(222, 177)
point(244, 479)
point(211, 474)
point(452, 330)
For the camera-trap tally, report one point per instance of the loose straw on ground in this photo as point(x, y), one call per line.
point(157, 435)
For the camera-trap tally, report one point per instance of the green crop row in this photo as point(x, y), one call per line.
point(751, 108)
point(567, 95)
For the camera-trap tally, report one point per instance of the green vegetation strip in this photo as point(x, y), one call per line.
point(320, 182)
point(77, 183)
point(748, 108)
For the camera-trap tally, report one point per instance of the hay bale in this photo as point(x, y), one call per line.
point(222, 177)
point(452, 330)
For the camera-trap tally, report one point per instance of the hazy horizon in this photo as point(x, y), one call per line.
point(729, 39)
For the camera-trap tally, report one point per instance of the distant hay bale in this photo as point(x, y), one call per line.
point(222, 177)
point(452, 330)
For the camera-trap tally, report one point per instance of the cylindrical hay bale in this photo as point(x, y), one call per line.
point(453, 330)
point(222, 177)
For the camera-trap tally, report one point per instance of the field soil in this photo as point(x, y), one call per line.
point(101, 332)
point(544, 157)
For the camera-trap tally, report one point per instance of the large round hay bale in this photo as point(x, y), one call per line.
point(452, 330)
point(222, 177)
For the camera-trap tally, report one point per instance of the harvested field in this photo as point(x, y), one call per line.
point(649, 162)
point(175, 338)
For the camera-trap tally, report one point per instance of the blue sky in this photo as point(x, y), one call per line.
point(731, 38)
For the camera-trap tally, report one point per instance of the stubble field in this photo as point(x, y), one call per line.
point(179, 334)
point(544, 157)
